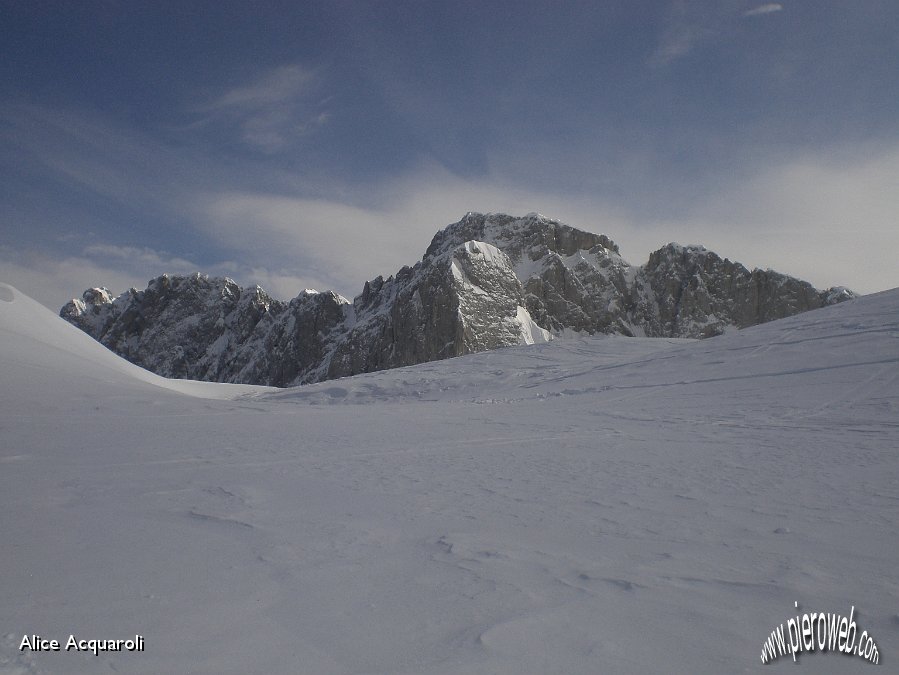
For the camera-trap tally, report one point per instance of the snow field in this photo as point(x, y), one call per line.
point(587, 505)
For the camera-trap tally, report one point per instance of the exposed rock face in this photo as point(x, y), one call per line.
point(466, 299)
point(487, 281)
point(572, 278)
point(182, 327)
point(578, 280)
point(289, 345)
point(688, 291)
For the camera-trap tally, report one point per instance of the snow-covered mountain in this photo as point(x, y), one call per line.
point(590, 505)
point(578, 280)
point(487, 281)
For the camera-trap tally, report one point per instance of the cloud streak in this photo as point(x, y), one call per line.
point(281, 84)
point(54, 279)
point(272, 111)
point(141, 257)
point(692, 26)
point(686, 27)
point(827, 216)
point(768, 8)
point(333, 244)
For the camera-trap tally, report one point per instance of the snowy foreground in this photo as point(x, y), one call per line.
point(604, 505)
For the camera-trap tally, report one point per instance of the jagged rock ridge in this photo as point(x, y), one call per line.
point(487, 281)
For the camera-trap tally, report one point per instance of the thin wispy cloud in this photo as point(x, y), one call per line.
point(94, 199)
point(280, 85)
point(689, 27)
point(787, 216)
point(678, 42)
point(811, 201)
point(54, 278)
point(272, 111)
point(686, 27)
point(285, 236)
point(768, 8)
point(827, 217)
point(143, 256)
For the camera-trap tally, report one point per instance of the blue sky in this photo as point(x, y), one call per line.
point(307, 144)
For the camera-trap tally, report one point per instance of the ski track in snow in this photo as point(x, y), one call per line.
point(587, 505)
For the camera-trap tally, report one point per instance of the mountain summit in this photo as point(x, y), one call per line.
point(484, 282)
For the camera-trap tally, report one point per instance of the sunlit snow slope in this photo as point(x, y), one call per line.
point(41, 357)
point(587, 506)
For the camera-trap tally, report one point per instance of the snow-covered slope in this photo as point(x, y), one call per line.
point(582, 506)
point(486, 281)
point(42, 355)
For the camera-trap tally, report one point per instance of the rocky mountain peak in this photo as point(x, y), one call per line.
point(487, 281)
point(532, 234)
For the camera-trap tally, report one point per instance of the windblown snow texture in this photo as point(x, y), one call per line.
point(592, 505)
point(487, 281)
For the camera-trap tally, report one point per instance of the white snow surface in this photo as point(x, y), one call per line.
point(531, 333)
point(594, 505)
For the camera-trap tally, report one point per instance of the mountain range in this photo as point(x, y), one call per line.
point(487, 281)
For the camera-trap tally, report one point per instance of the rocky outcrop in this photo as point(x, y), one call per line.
point(467, 299)
point(579, 281)
point(180, 326)
point(487, 281)
point(572, 279)
point(688, 291)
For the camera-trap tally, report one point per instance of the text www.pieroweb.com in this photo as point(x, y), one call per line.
point(820, 631)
